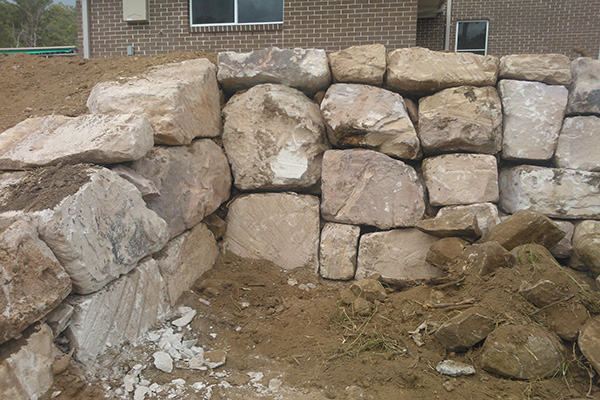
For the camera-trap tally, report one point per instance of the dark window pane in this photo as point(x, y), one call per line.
point(260, 11)
point(213, 12)
point(471, 35)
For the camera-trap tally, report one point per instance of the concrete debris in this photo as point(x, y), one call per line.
point(187, 315)
point(454, 368)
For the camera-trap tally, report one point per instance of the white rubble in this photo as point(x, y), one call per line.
point(163, 361)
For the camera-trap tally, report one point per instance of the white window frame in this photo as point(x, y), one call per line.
point(487, 34)
point(235, 16)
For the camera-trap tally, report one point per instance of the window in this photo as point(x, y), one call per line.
point(472, 37)
point(236, 12)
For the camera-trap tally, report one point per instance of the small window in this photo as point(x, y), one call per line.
point(236, 12)
point(472, 37)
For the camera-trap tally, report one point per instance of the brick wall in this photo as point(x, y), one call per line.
point(431, 32)
point(325, 24)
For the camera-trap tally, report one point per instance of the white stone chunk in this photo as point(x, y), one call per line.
point(579, 144)
point(359, 64)
point(163, 361)
point(339, 244)
point(553, 69)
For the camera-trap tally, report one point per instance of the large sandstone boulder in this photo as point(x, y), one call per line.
point(526, 227)
point(578, 144)
point(181, 100)
point(359, 64)
point(555, 192)
point(337, 251)
point(26, 367)
point(95, 222)
point(99, 139)
point(122, 311)
point(586, 244)
point(278, 227)
point(192, 181)
point(553, 69)
point(465, 330)
point(584, 92)
point(486, 214)
point(274, 137)
point(417, 71)
point(364, 187)
point(33, 281)
point(185, 258)
point(464, 118)
point(533, 114)
point(303, 69)
point(456, 179)
point(398, 255)
point(522, 352)
point(366, 116)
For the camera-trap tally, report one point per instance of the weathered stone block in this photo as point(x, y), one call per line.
point(486, 214)
point(359, 64)
point(578, 144)
point(586, 244)
point(553, 69)
point(584, 92)
point(462, 224)
point(339, 244)
point(465, 330)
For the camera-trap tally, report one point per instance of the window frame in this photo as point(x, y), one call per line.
point(487, 35)
point(235, 17)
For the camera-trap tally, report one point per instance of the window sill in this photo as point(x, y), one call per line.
point(237, 28)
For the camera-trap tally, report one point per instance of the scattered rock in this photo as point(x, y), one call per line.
point(337, 251)
point(350, 194)
point(370, 117)
point(445, 251)
point(577, 144)
point(146, 187)
point(187, 315)
point(369, 289)
point(485, 258)
point(59, 318)
point(583, 92)
point(454, 368)
point(589, 342)
point(486, 214)
point(553, 69)
point(543, 293)
point(586, 244)
point(462, 224)
point(359, 64)
point(61, 364)
point(566, 318)
point(216, 225)
point(214, 359)
point(564, 248)
point(163, 361)
point(465, 330)
point(274, 137)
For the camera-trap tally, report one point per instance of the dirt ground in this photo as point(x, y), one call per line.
point(286, 334)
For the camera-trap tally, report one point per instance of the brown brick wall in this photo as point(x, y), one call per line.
point(325, 24)
point(431, 32)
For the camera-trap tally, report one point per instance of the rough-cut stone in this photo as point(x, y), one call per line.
point(542, 293)
point(586, 244)
point(462, 224)
point(454, 368)
point(398, 255)
point(465, 330)
point(522, 352)
point(364, 187)
point(445, 251)
point(455, 179)
point(366, 116)
point(146, 187)
point(413, 111)
point(185, 258)
point(339, 244)
point(553, 69)
point(526, 227)
point(123, 310)
point(163, 361)
point(59, 318)
point(274, 137)
point(566, 318)
point(418, 71)
point(33, 281)
point(216, 225)
point(589, 342)
point(564, 248)
point(95, 222)
point(26, 365)
point(584, 92)
point(555, 192)
point(533, 115)
point(359, 64)
point(192, 180)
point(54, 139)
point(181, 100)
point(369, 289)
point(303, 69)
point(486, 214)
point(578, 144)
point(464, 118)
point(278, 227)
point(485, 258)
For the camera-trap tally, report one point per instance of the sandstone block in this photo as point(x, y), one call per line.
point(445, 251)
point(146, 187)
point(339, 244)
point(366, 116)
point(578, 143)
point(185, 258)
point(584, 92)
point(535, 355)
point(462, 224)
point(351, 195)
point(589, 342)
point(586, 244)
point(485, 258)
point(54, 139)
point(359, 64)
point(533, 115)
point(564, 248)
point(123, 310)
point(486, 214)
point(418, 71)
point(95, 222)
point(274, 137)
point(278, 227)
point(455, 179)
point(192, 180)
point(33, 281)
point(465, 330)
point(555, 192)
point(397, 255)
point(181, 100)
point(553, 69)
point(464, 118)
point(303, 69)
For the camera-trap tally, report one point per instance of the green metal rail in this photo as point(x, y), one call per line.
point(44, 51)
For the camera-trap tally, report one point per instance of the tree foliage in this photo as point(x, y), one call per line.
point(34, 23)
